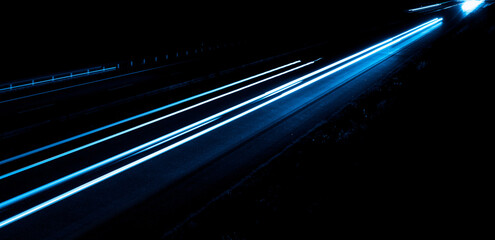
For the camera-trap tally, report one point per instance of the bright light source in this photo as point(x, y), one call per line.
point(470, 5)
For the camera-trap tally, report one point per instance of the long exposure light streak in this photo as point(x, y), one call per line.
point(426, 7)
point(143, 147)
point(204, 102)
point(148, 123)
point(283, 91)
point(174, 104)
point(191, 98)
point(143, 114)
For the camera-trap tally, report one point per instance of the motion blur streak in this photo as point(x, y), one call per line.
point(142, 115)
point(283, 90)
point(151, 122)
point(164, 138)
point(143, 147)
point(226, 86)
point(425, 7)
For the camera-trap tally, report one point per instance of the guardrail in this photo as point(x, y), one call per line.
point(134, 64)
point(55, 78)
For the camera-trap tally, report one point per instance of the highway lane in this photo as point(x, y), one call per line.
point(159, 110)
point(181, 111)
point(201, 136)
point(161, 121)
point(66, 112)
point(67, 165)
point(233, 132)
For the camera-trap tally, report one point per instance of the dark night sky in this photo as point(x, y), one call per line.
point(56, 36)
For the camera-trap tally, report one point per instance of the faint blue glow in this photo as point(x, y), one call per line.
point(136, 150)
point(285, 90)
point(150, 122)
point(163, 139)
point(183, 101)
point(425, 7)
point(470, 6)
point(141, 115)
point(53, 78)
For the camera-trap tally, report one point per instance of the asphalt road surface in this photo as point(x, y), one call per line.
point(176, 157)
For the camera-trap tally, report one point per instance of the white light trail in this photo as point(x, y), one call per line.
point(146, 124)
point(285, 90)
point(142, 114)
point(177, 103)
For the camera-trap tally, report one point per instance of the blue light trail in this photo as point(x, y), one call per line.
point(180, 102)
point(140, 148)
point(188, 99)
point(426, 7)
point(141, 115)
point(283, 91)
point(151, 122)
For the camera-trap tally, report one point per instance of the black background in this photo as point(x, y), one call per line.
point(42, 38)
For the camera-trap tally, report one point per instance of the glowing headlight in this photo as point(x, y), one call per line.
point(470, 5)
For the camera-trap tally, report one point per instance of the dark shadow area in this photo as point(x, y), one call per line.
point(409, 158)
point(42, 39)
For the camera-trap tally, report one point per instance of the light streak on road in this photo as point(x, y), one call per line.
point(146, 146)
point(426, 7)
point(146, 124)
point(141, 115)
point(199, 104)
point(270, 97)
